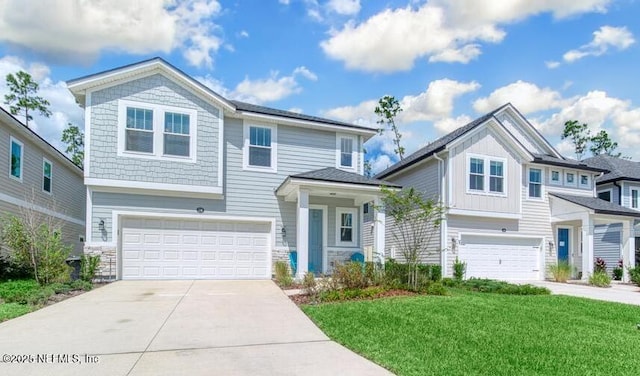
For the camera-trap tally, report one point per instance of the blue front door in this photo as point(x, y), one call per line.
point(563, 244)
point(315, 241)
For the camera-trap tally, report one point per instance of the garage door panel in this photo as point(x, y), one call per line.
point(501, 257)
point(174, 249)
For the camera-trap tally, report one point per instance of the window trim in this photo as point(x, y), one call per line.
point(575, 180)
point(588, 185)
point(354, 152)
point(560, 177)
point(487, 159)
point(44, 163)
point(354, 226)
point(158, 131)
point(13, 140)
point(246, 143)
point(534, 198)
point(609, 190)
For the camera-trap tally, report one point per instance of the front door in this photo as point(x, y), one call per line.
point(315, 241)
point(563, 245)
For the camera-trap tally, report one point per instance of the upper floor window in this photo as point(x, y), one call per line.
point(15, 158)
point(555, 177)
point(139, 130)
point(570, 178)
point(634, 198)
point(605, 195)
point(156, 131)
point(486, 174)
point(535, 183)
point(176, 134)
point(346, 150)
point(260, 147)
point(47, 175)
point(346, 226)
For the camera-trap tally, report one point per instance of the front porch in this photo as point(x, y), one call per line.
point(587, 227)
point(329, 218)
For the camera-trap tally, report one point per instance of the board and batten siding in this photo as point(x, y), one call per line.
point(105, 163)
point(246, 193)
point(484, 143)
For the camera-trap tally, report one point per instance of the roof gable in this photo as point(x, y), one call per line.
point(617, 168)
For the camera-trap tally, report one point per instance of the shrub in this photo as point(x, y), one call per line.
point(600, 279)
point(88, 267)
point(501, 287)
point(309, 284)
point(599, 265)
point(350, 275)
point(436, 272)
point(18, 291)
point(618, 271)
point(350, 294)
point(283, 277)
point(634, 273)
point(459, 269)
point(450, 282)
point(11, 269)
point(437, 288)
point(560, 271)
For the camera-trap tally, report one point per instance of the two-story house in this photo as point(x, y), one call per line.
point(40, 182)
point(183, 183)
point(515, 204)
point(620, 185)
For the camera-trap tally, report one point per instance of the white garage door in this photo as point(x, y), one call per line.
point(501, 258)
point(185, 249)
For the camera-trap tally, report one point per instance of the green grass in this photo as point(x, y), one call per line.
point(12, 310)
point(488, 334)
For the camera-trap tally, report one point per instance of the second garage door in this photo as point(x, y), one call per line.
point(502, 258)
point(189, 249)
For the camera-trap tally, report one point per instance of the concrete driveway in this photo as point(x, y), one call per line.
point(174, 328)
point(619, 293)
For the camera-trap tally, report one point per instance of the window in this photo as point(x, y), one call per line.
point(634, 198)
point(346, 226)
point(15, 162)
point(139, 130)
point(555, 177)
point(496, 177)
point(605, 195)
point(154, 131)
point(535, 183)
point(365, 208)
point(476, 174)
point(260, 146)
point(346, 152)
point(47, 175)
point(584, 181)
point(176, 134)
point(570, 178)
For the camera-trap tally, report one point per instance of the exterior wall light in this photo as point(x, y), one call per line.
point(101, 225)
point(200, 209)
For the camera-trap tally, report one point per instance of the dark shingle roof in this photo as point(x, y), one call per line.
point(436, 145)
point(331, 174)
point(243, 106)
point(597, 205)
point(618, 168)
point(572, 163)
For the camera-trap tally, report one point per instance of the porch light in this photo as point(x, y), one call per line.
point(284, 232)
point(101, 225)
point(550, 244)
point(200, 209)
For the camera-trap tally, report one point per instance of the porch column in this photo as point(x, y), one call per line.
point(587, 247)
point(379, 220)
point(302, 233)
point(628, 248)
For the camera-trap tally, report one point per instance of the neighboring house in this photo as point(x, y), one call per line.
point(183, 183)
point(620, 185)
point(38, 179)
point(515, 205)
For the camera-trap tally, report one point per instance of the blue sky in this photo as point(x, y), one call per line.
point(446, 61)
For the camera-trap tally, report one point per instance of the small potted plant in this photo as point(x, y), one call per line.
point(618, 271)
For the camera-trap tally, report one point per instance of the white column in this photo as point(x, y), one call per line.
point(379, 220)
point(302, 233)
point(587, 247)
point(628, 248)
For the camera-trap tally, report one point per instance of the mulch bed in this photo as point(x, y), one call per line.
point(57, 298)
point(301, 299)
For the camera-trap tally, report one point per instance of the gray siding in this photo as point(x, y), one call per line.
point(626, 192)
point(615, 191)
point(157, 89)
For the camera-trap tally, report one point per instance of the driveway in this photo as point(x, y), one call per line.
point(618, 293)
point(176, 327)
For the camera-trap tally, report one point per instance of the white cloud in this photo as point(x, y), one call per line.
point(297, 110)
point(604, 38)
point(62, 104)
point(448, 125)
point(344, 7)
point(262, 90)
point(82, 29)
point(244, 34)
point(361, 113)
point(449, 31)
point(552, 64)
point(525, 96)
point(380, 162)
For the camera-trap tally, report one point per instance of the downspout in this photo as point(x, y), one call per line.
point(443, 223)
point(615, 183)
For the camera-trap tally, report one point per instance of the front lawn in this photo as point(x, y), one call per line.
point(478, 333)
